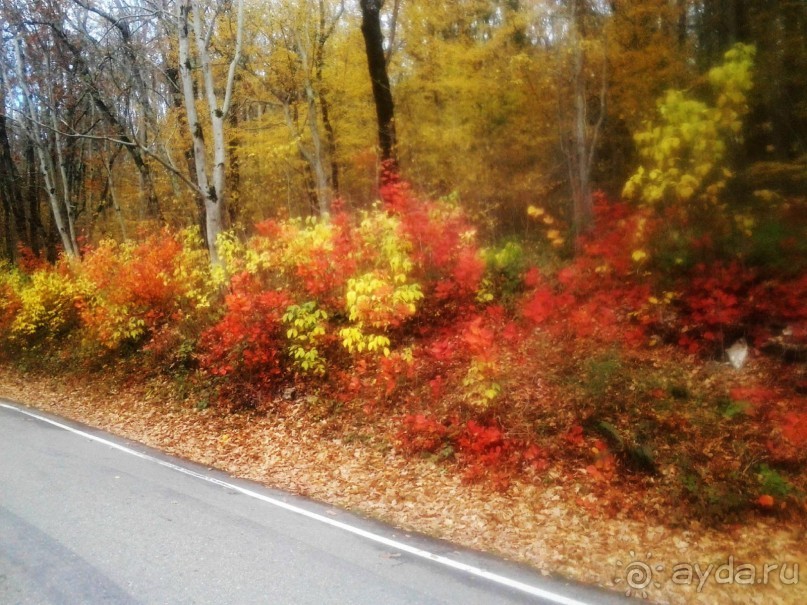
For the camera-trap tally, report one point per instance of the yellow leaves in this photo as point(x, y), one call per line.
point(768, 196)
point(638, 256)
point(48, 304)
point(666, 299)
point(481, 389)
point(682, 152)
point(355, 340)
point(378, 301)
point(745, 223)
point(553, 235)
point(307, 328)
point(535, 211)
point(485, 292)
point(555, 238)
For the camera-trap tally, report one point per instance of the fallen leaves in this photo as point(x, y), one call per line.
point(555, 524)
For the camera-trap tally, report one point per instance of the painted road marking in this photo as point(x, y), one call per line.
point(395, 544)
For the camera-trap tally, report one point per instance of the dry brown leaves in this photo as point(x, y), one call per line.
point(547, 524)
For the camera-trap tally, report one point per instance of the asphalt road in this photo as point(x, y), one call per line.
point(88, 518)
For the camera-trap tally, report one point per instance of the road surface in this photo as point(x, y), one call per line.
point(88, 518)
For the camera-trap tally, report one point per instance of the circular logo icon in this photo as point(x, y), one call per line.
point(638, 575)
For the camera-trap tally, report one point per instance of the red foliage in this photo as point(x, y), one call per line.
point(575, 435)
point(392, 371)
point(540, 306)
point(486, 445)
point(794, 428)
point(600, 295)
point(479, 339)
point(783, 303)
point(28, 261)
point(715, 302)
point(604, 293)
point(722, 302)
point(141, 282)
point(436, 386)
point(448, 266)
point(759, 396)
point(245, 345)
point(488, 453)
point(483, 450)
point(422, 434)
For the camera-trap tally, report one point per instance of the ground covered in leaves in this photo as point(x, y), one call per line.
point(636, 404)
point(558, 514)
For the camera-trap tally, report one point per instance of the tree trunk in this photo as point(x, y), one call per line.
point(212, 223)
point(324, 105)
point(8, 230)
point(213, 194)
point(584, 133)
point(148, 192)
point(234, 171)
point(382, 93)
point(315, 157)
point(45, 162)
point(581, 171)
point(174, 80)
point(10, 186)
point(35, 227)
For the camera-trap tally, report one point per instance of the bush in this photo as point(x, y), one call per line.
point(48, 307)
point(135, 289)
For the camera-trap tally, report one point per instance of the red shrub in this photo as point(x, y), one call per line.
point(449, 266)
point(28, 261)
point(246, 345)
point(421, 434)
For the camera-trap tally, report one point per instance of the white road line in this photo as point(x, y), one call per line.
point(418, 552)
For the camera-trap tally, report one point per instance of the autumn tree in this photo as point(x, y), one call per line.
point(191, 22)
point(112, 61)
point(293, 73)
point(37, 90)
point(586, 117)
point(15, 226)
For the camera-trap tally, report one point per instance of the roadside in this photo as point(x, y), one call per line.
point(541, 524)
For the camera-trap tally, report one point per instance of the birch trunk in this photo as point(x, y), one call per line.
point(43, 156)
point(213, 193)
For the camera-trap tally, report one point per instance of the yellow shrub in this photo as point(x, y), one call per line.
point(49, 304)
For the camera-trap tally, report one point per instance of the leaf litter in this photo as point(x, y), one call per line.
point(545, 524)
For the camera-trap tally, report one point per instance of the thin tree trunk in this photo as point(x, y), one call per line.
point(66, 193)
point(324, 105)
point(44, 158)
point(212, 224)
point(581, 171)
point(382, 93)
point(315, 157)
point(580, 155)
point(114, 198)
point(35, 226)
point(233, 171)
point(214, 194)
point(148, 192)
point(8, 230)
point(174, 79)
point(10, 184)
